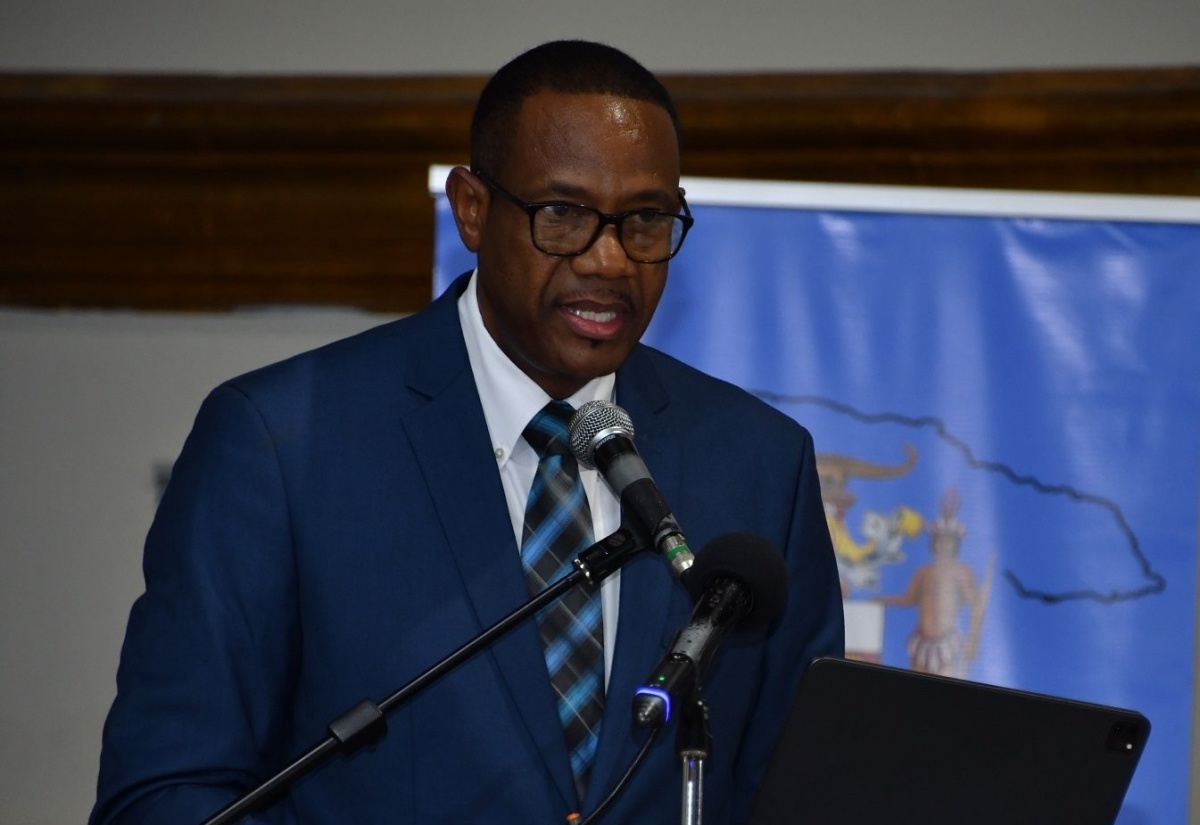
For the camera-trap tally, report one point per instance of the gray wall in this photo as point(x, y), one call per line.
point(668, 35)
point(91, 402)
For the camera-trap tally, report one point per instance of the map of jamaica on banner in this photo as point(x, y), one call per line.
point(1004, 390)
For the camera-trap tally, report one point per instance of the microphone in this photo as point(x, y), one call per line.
point(602, 438)
point(743, 582)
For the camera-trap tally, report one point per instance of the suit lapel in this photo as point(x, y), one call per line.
point(448, 433)
point(647, 585)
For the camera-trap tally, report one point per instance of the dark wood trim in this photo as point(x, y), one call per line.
point(201, 193)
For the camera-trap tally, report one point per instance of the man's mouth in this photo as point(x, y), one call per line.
point(595, 322)
point(602, 317)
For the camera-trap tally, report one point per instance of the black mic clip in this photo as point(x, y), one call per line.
point(608, 554)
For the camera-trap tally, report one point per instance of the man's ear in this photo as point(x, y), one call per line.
point(469, 198)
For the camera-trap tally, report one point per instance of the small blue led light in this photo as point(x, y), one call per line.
point(661, 694)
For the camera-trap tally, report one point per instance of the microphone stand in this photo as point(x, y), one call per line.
point(693, 741)
point(365, 723)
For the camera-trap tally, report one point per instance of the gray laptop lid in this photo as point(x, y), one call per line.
point(869, 744)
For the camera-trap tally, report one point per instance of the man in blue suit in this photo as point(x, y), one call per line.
point(339, 522)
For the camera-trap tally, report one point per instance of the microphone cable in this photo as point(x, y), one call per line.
point(620, 786)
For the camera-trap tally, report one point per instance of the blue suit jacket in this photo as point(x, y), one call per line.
point(335, 525)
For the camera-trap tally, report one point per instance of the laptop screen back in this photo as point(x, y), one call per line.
point(866, 744)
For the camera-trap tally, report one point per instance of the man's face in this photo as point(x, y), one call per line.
point(564, 321)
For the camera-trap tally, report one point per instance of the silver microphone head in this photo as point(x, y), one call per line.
point(594, 423)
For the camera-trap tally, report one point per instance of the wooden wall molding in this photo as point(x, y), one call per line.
point(203, 193)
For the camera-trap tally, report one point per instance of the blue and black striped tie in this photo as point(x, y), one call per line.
point(558, 526)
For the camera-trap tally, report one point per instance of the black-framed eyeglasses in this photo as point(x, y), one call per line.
point(648, 236)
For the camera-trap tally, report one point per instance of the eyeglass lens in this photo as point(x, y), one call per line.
point(562, 229)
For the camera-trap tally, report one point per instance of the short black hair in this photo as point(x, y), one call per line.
point(566, 66)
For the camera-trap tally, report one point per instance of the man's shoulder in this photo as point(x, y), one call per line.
point(687, 381)
point(371, 357)
point(702, 394)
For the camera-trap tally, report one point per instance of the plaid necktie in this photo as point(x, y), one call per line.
point(558, 526)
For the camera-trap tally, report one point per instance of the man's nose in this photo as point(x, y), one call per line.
point(606, 257)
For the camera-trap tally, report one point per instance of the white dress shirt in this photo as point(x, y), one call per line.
point(510, 400)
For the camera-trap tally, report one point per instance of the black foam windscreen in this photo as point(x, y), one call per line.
point(755, 563)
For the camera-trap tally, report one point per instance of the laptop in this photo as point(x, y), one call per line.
point(866, 744)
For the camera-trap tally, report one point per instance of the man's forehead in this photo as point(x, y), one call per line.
point(595, 107)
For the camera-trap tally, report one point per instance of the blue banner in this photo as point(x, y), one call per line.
point(1006, 407)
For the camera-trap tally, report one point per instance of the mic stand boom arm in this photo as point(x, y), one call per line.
point(365, 723)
